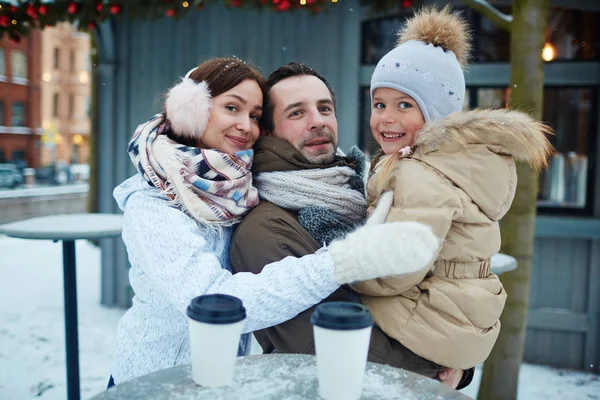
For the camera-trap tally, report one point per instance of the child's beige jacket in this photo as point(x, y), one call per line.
point(460, 180)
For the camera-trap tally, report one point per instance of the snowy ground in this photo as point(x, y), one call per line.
point(32, 359)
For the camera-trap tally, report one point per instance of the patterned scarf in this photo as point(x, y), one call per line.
point(211, 186)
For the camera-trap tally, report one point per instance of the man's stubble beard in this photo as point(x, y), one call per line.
point(323, 158)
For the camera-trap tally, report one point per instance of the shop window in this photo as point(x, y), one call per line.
point(565, 186)
point(18, 114)
point(571, 35)
point(567, 182)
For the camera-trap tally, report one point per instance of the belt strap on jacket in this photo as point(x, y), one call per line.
point(458, 269)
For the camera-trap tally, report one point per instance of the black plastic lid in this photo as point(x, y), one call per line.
point(216, 309)
point(341, 315)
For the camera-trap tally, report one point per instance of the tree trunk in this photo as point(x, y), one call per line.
point(501, 370)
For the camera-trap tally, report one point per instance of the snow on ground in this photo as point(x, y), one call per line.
point(32, 358)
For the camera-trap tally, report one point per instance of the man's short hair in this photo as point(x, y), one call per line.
point(288, 71)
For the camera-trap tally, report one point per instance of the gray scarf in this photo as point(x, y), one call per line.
point(330, 202)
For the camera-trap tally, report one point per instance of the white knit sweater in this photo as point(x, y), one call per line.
point(173, 260)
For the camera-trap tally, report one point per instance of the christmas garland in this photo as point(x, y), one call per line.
point(18, 18)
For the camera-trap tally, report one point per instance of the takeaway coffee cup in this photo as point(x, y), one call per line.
point(342, 334)
point(216, 322)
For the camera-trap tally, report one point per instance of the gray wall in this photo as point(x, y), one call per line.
point(140, 59)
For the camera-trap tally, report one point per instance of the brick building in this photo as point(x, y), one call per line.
point(20, 77)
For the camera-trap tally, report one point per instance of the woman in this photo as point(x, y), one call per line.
point(194, 183)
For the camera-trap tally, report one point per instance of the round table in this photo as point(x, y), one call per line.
point(68, 228)
point(277, 377)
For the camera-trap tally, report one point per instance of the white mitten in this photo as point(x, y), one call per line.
point(380, 250)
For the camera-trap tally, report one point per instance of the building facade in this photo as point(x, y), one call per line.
point(20, 77)
point(65, 97)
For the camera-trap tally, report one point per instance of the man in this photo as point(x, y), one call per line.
point(309, 195)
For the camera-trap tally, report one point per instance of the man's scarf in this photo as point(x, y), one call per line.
point(330, 201)
point(211, 186)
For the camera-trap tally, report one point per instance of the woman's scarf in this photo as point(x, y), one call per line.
point(210, 186)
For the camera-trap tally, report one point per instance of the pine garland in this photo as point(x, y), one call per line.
point(18, 18)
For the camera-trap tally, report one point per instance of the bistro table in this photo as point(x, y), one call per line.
point(68, 228)
point(278, 377)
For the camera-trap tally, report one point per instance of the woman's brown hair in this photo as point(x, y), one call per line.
point(223, 74)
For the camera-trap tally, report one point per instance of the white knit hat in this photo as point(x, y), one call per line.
point(427, 63)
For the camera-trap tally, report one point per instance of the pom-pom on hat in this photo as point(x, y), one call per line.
point(188, 106)
point(427, 62)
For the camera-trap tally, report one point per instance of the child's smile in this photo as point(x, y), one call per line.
point(395, 119)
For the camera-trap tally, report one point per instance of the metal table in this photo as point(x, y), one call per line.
point(68, 228)
point(277, 377)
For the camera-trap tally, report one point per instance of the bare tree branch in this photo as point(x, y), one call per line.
point(492, 13)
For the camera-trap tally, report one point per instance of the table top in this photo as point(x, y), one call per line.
point(66, 227)
point(276, 377)
point(503, 263)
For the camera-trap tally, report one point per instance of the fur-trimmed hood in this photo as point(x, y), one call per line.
point(516, 133)
point(476, 151)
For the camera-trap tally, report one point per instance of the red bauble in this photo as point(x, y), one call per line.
point(99, 7)
point(4, 21)
point(91, 25)
point(406, 3)
point(235, 3)
point(284, 5)
point(170, 12)
point(72, 8)
point(309, 2)
point(31, 11)
point(43, 10)
point(115, 9)
point(276, 2)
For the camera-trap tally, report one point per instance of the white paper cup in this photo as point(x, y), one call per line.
point(342, 334)
point(216, 323)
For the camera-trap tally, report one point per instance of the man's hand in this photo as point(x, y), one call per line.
point(451, 377)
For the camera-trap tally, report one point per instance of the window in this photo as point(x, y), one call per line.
point(2, 63)
point(18, 114)
point(565, 184)
point(55, 104)
point(72, 60)
point(19, 64)
point(1, 113)
point(379, 36)
point(56, 57)
point(574, 34)
point(71, 106)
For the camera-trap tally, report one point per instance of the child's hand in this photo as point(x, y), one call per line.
point(451, 377)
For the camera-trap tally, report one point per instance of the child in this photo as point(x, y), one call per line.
point(453, 170)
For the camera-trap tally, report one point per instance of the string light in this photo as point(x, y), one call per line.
point(302, 2)
point(185, 4)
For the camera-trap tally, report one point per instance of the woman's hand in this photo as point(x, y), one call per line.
point(451, 377)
